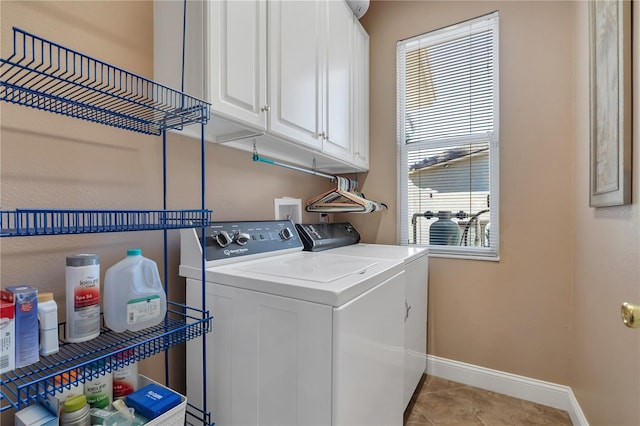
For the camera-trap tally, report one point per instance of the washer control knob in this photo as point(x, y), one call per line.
point(223, 239)
point(286, 234)
point(242, 238)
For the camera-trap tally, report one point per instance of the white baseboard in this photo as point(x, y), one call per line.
point(538, 391)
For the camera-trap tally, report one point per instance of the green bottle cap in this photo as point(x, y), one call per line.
point(134, 252)
point(74, 403)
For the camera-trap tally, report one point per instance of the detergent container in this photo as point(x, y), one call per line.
point(83, 297)
point(99, 386)
point(76, 412)
point(125, 376)
point(133, 295)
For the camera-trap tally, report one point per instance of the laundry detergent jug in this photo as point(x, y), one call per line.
point(133, 295)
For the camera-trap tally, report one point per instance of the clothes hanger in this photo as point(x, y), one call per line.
point(342, 199)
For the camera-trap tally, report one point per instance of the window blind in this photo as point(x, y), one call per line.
point(448, 139)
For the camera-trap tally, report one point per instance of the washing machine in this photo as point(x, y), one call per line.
point(344, 239)
point(299, 337)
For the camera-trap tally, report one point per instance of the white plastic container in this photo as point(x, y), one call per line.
point(173, 417)
point(76, 412)
point(99, 386)
point(35, 415)
point(133, 295)
point(83, 297)
point(48, 324)
point(125, 377)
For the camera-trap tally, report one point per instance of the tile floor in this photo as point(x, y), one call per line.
point(442, 402)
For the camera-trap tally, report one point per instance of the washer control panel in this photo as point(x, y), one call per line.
point(324, 236)
point(226, 240)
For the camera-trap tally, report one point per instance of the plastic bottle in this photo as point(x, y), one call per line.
point(133, 295)
point(76, 412)
point(99, 386)
point(125, 377)
point(48, 323)
point(83, 297)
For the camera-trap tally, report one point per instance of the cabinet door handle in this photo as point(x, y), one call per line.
point(265, 108)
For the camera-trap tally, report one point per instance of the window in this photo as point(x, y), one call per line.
point(448, 139)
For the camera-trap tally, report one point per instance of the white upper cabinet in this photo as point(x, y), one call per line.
point(238, 65)
point(310, 66)
point(295, 73)
point(360, 96)
point(280, 75)
point(224, 61)
point(337, 81)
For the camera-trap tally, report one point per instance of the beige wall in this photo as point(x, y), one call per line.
point(512, 315)
point(605, 366)
point(550, 308)
point(48, 160)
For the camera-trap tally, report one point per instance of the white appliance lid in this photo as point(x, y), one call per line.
point(382, 251)
point(320, 269)
point(329, 279)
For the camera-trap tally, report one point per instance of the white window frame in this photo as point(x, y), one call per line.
point(464, 252)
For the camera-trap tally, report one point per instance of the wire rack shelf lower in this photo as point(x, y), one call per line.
point(24, 386)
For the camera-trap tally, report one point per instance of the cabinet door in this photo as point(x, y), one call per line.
point(238, 73)
point(338, 51)
point(360, 84)
point(294, 70)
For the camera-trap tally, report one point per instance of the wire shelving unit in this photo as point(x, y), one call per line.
point(47, 76)
point(101, 355)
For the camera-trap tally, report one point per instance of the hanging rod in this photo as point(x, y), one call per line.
point(256, 157)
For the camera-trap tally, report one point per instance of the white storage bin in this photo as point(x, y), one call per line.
point(175, 416)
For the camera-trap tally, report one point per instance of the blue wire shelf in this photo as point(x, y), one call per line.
point(24, 386)
point(196, 416)
point(31, 222)
point(47, 76)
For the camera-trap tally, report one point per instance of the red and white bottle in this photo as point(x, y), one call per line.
point(83, 297)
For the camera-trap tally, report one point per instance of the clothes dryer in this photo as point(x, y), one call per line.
point(322, 237)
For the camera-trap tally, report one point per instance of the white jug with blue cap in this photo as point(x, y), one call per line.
point(134, 298)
